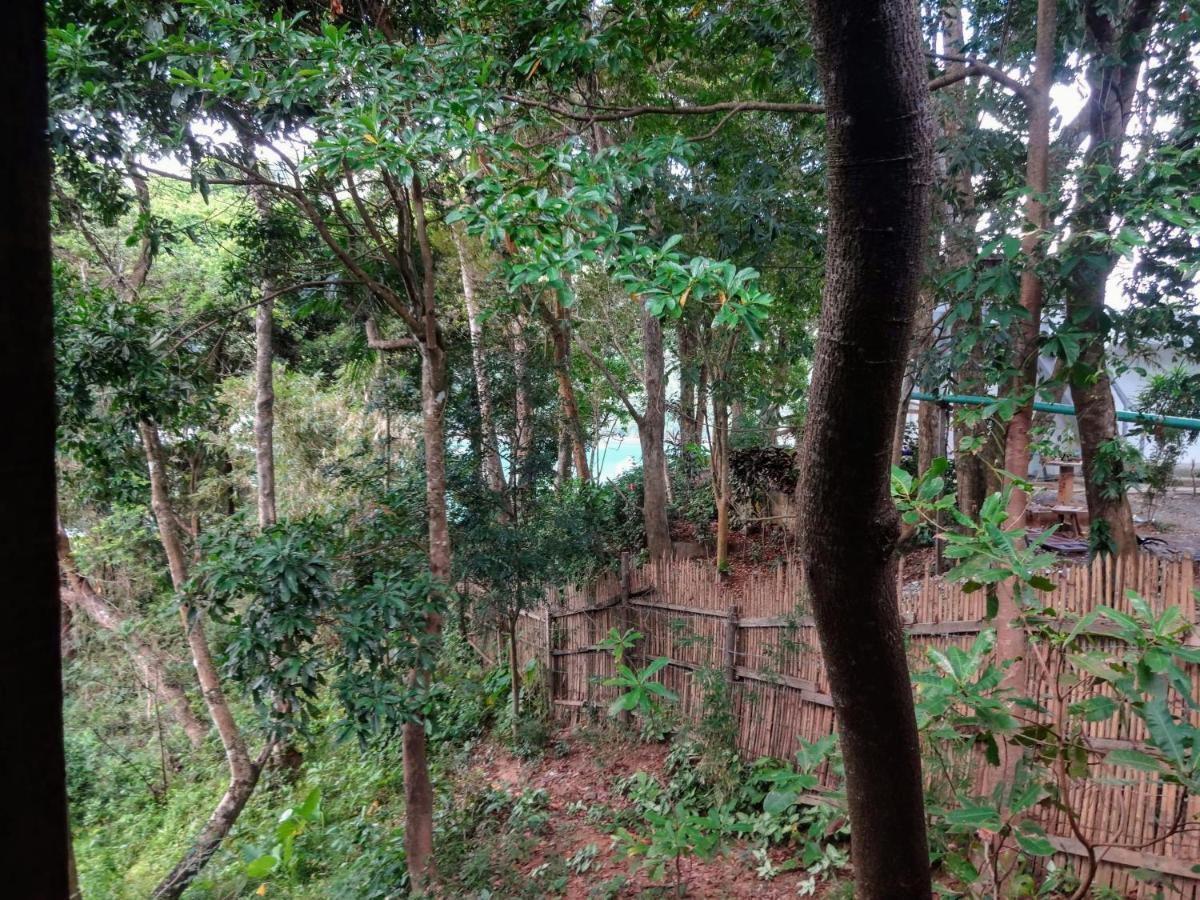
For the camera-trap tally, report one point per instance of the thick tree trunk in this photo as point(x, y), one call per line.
point(1110, 517)
point(150, 662)
point(1110, 106)
point(879, 138)
point(34, 820)
point(651, 433)
point(243, 772)
point(930, 439)
point(493, 472)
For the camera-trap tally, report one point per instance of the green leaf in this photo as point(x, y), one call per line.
point(1095, 709)
point(655, 667)
point(777, 801)
point(1134, 759)
point(1041, 583)
point(975, 817)
point(262, 867)
point(961, 868)
point(1035, 845)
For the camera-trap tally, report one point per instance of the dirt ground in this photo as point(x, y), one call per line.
point(581, 777)
point(1173, 519)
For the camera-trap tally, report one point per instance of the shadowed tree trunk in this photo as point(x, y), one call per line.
point(879, 137)
point(493, 473)
point(418, 788)
point(150, 662)
point(243, 772)
point(1111, 90)
point(264, 384)
point(560, 334)
point(651, 433)
point(689, 420)
point(1010, 635)
point(522, 474)
point(971, 471)
point(34, 817)
point(720, 477)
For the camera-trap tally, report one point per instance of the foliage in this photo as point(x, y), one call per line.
point(283, 855)
point(1108, 663)
point(672, 837)
point(279, 589)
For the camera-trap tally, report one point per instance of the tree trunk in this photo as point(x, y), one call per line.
point(689, 425)
point(515, 673)
point(560, 335)
point(961, 220)
point(1010, 635)
point(929, 435)
point(562, 462)
point(902, 407)
point(1110, 106)
point(149, 661)
point(34, 821)
point(651, 433)
point(264, 387)
point(493, 472)
point(418, 789)
point(523, 439)
point(879, 138)
point(242, 771)
point(720, 476)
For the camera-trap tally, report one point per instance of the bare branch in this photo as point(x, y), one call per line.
point(376, 342)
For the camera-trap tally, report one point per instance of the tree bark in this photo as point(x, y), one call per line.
point(961, 220)
point(152, 664)
point(418, 788)
point(523, 407)
point(651, 433)
point(689, 425)
point(34, 820)
point(243, 772)
point(1110, 106)
point(720, 477)
point(560, 335)
point(515, 676)
point(1010, 634)
point(493, 472)
point(879, 137)
point(264, 385)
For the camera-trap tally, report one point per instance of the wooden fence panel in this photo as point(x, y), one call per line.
point(757, 633)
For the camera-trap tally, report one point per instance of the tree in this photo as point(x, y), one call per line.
point(35, 818)
point(1118, 43)
point(879, 138)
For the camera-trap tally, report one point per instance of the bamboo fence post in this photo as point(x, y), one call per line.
point(624, 617)
point(731, 637)
point(548, 635)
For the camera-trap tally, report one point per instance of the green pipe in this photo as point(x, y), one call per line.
point(1065, 409)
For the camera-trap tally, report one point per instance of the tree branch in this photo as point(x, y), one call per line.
point(376, 342)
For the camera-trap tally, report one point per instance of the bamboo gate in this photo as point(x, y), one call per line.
point(758, 633)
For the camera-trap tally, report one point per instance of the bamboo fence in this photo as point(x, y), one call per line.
point(756, 632)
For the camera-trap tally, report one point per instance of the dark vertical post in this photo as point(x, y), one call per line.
point(625, 618)
point(34, 817)
point(731, 641)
